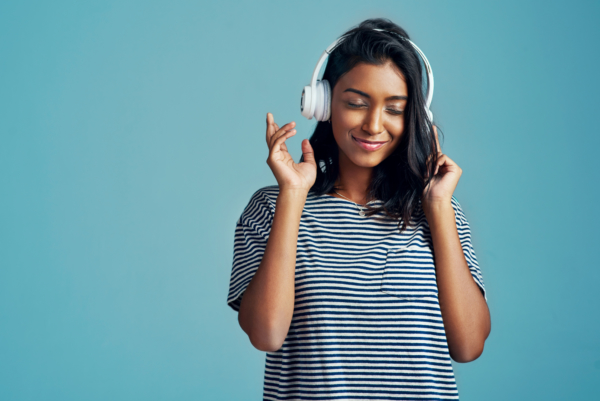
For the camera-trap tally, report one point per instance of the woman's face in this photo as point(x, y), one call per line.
point(367, 116)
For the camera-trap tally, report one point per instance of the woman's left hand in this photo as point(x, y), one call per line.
point(442, 185)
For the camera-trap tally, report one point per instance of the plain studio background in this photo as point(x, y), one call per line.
point(133, 135)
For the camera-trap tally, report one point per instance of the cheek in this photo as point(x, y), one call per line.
point(345, 119)
point(395, 126)
point(399, 126)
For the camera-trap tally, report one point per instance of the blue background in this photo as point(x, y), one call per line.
point(132, 137)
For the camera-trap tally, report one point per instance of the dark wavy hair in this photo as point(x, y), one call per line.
point(399, 180)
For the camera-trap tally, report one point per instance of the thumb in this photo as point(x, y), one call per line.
point(307, 152)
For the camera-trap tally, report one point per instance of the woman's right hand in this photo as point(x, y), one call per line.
point(289, 175)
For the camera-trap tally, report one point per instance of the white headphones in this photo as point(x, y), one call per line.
point(316, 98)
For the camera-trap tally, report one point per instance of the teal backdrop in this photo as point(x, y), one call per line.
point(132, 135)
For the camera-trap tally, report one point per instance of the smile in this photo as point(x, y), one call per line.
point(371, 146)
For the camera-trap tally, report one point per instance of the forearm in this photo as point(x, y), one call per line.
point(267, 306)
point(464, 310)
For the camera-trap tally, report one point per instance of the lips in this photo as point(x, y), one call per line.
point(367, 145)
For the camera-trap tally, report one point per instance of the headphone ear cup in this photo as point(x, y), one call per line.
point(323, 101)
point(306, 102)
point(327, 100)
point(319, 101)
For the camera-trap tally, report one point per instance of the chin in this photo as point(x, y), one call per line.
point(366, 161)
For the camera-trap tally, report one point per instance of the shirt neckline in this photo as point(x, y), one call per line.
point(349, 201)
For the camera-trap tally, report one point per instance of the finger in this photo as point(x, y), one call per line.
point(437, 141)
point(439, 161)
point(278, 134)
point(450, 165)
point(282, 136)
point(281, 140)
point(270, 126)
point(270, 120)
point(428, 164)
point(307, 152)
point(285, 128)
point(443, 160)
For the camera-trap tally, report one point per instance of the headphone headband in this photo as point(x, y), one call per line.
point(319, 92)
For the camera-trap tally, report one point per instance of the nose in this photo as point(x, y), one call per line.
point(373, 122)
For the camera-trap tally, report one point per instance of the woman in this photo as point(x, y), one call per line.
point(334, 272)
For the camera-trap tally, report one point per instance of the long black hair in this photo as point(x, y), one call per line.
point(399, 180)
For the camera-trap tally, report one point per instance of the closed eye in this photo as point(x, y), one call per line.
point(356, 106)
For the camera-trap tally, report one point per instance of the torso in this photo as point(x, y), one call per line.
point(367, 322)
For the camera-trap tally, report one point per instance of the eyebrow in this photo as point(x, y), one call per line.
point(367, 96)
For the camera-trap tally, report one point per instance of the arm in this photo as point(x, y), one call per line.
point(464, 310)
point(267, 306)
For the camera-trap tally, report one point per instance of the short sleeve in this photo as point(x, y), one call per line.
point(464, 234)
point(250, 240)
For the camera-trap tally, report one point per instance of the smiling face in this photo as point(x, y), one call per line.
point(367, 116)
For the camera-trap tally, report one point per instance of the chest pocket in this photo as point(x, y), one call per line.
point(409, 273)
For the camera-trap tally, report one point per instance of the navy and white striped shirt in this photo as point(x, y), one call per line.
point(367, 321)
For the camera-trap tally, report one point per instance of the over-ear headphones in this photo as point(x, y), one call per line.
point(316, 98)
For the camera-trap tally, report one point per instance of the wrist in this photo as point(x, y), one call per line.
point(291, 201)
point(292, 196)
point(293, 192)
point(437, 207)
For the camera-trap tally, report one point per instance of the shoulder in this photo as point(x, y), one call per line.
point(455, 204)
point(267, 196)
point(261, 202)
point(461, 219)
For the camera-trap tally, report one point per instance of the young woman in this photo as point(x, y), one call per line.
point(356, 273)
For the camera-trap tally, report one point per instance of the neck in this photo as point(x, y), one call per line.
point(353, 181)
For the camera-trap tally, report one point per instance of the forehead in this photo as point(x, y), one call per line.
point(385, 79)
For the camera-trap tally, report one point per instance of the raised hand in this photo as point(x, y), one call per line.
point(289, 175)
point(444, 180)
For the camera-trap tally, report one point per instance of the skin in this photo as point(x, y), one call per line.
point(367, 103)
point(372, 118)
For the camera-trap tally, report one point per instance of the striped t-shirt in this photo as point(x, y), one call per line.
point(367, 323)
